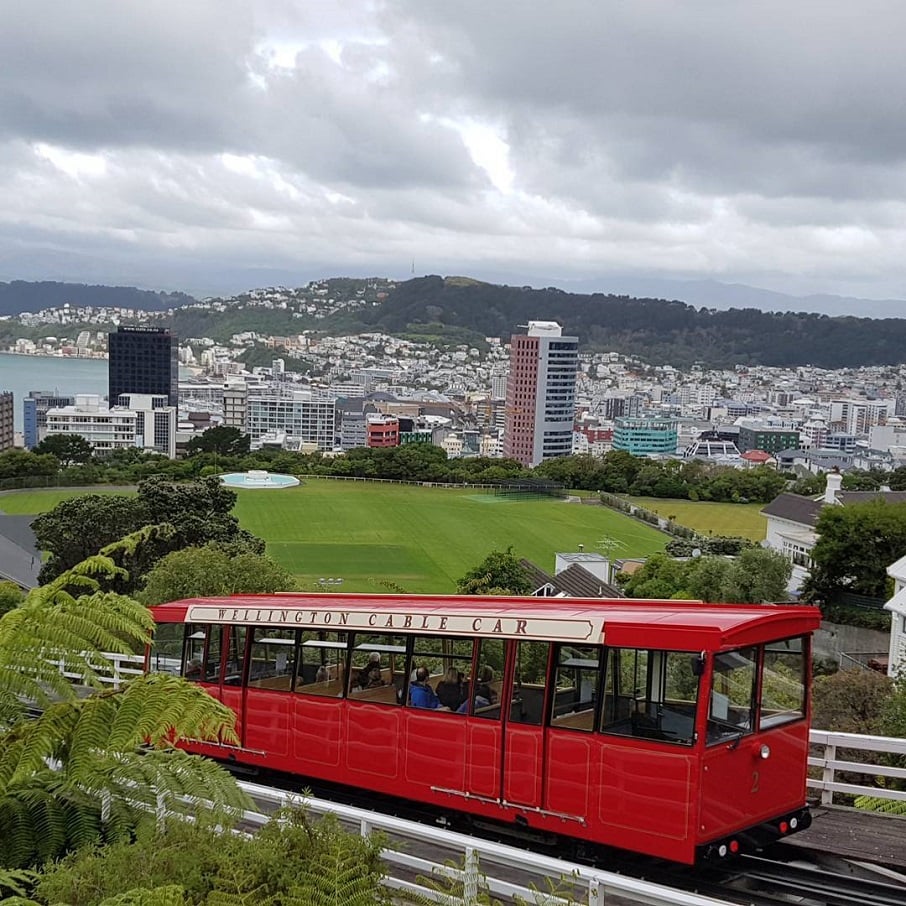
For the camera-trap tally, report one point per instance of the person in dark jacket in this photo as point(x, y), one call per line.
point(451, 690)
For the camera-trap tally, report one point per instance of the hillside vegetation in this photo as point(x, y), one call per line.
point(656, 330)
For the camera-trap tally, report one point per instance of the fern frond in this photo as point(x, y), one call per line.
point(130, 543)
point(16, 880)
point(171, 895)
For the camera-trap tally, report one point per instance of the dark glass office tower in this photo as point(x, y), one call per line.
point(142, 360)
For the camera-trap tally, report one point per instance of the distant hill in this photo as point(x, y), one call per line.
point(20, 295)
point(714, 294)
point(656, 330)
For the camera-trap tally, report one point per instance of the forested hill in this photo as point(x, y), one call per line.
point(654, 329)
point(21, 295)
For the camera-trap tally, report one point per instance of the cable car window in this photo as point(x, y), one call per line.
point(377, 668)
point(193, 652)
point(650, 694)
point(576, 687)
point(530, 683)
point(732, 694)
point(322, 663)
point(166, 652)
point(438, 671)
point(235, 655)
point(783, 683)
point(273, 658)
point(212, 654)
point(484, 686)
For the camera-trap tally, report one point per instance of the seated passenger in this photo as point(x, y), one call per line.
point(483, 689)
point(420, 693)
point(323, 674)
point(484, 694)
point(451, 690)
point(370, 675)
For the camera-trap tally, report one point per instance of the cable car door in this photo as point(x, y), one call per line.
point(232, 690)
point(523, 720)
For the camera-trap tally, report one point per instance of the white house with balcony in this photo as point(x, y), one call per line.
point(897, 607)
point(791, 521)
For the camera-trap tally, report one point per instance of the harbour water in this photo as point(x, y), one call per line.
point(64, 375)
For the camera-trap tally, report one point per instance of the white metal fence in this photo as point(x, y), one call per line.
point(420, 852)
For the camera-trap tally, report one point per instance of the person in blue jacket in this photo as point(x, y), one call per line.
point(420, 693)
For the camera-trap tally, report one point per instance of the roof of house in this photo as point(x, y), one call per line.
point(756, 456)
point(795, 508)
point(849, 498)
point(573, 582)
point(20, 560)
point(805, 510)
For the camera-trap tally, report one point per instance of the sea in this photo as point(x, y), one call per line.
point(65, 375)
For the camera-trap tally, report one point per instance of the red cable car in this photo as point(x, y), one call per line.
point(671, 728)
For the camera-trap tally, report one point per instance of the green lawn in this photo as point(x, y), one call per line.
point(26, 503)
point(741, 519)
point(421, 539)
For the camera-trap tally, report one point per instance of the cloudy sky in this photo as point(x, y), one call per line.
point(216, 145)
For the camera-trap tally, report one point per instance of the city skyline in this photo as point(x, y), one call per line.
point(226, 145)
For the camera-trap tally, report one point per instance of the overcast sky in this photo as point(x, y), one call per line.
point(216, 145)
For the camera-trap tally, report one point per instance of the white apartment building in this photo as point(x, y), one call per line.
point(860, 416)
point(146, 422)
point(304, 416)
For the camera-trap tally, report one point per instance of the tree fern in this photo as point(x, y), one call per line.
point(94, 741)
point(171, 895)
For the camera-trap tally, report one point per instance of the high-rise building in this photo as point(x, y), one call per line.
point(34, 414)
point(540, 394)
point(143, 360)
point(301, 416)
point(7, 432)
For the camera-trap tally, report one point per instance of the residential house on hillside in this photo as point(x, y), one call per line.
point(579, 575)
point(792, 519)
point(897, 606)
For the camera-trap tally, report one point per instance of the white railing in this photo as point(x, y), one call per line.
point(830, 763)
point(115, 670)
point(485, 863)
point(825, 744)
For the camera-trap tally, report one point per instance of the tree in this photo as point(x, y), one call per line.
point(194, 512)
point(855, 546)
point(26, 464)
point(500, 573)
point(79, 527)
point(212, 570)
point(757, 576)
point(114, 750)
point(850, 701)
point(199, 511)
point(221, 440)
point(69, 449)
point(10, 596)
point(754, 576)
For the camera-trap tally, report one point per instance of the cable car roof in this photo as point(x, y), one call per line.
point(620, 622)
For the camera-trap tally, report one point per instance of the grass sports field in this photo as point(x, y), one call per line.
point(421, 539)
point(741, 519)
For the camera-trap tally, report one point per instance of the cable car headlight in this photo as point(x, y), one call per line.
point(765, 751)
